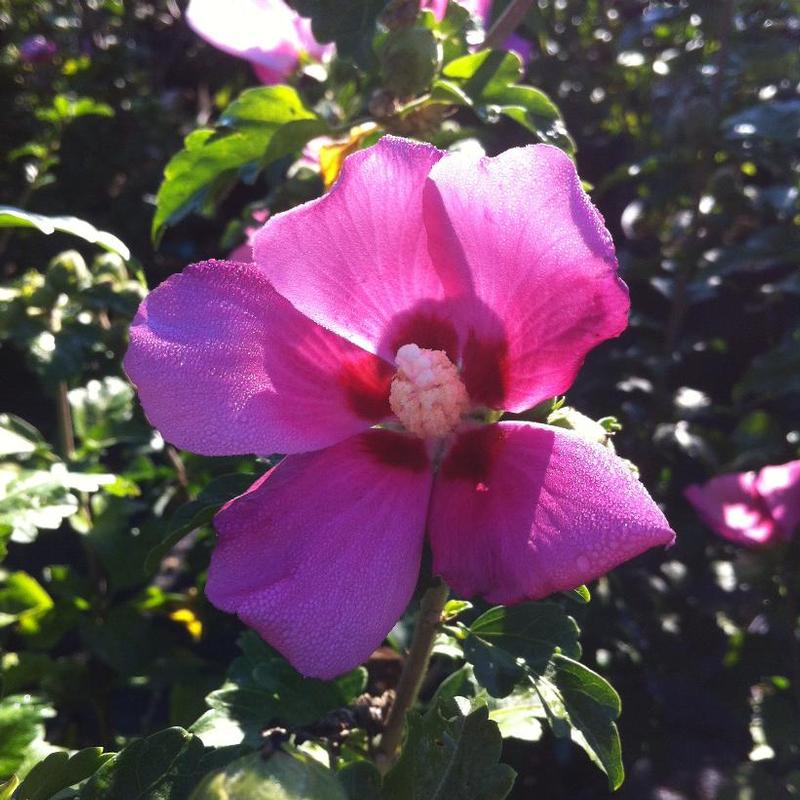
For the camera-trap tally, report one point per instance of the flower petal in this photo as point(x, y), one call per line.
point(525, 241)
point(521, 510)
point(224, 365)
point(356, 260)
point(262, 31)
point(321, 556)
point(780, 488)
point(731, 506)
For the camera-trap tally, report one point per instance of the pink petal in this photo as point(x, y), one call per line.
point(519, 234)
point(731, 506)
point(265, 32)
point(321, 556)
point(224, 365)
point(437, 7)
point(356, 260)
point(478, 8)
point(521, 510)
point(780, 488)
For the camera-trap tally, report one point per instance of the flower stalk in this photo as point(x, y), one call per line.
point(414, 670)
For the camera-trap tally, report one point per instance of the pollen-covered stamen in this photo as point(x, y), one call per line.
point(427, 394)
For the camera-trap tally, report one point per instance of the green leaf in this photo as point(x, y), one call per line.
point(23, 601)
point(261, 126)
point(197, 513)
point(360, 780)
point(18, 218)
point(263, 688)
point(281, 776)
point(487, 82)
point(517, 715)
point(21, 733)
point(483, 73)
point(31, 500)
point(450, 752)
point(60, 771)
point(583, 703)
point(19, 438)
point(504, 643)
point(8, 787)
point(409, 58)
point(349, 23)
point(777, 121)
point(66, 108)
point(164, 766)
point(580, 594)
point(102, 411)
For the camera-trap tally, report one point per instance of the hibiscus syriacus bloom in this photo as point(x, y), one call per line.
point(267, 33)
point(423, 291)
point(752, 508)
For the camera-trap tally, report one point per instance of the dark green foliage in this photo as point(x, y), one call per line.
point(450, 751)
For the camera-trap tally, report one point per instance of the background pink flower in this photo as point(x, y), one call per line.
point(422, 290)
point(244, 252)
point(267, 33)
point(751, 508)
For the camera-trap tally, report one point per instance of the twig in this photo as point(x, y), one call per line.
point(507, 23)
point(414, 669)
point(66, 435)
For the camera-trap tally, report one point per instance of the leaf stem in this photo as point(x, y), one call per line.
point(507, 23)
point(414, 670)
point(66, 436)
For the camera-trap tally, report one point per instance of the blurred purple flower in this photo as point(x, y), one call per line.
point(37, 49)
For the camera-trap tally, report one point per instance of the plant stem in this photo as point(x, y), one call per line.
point(414, 669)
point(507, 23)
point(66, 436)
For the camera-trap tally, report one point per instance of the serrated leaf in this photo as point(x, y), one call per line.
point(281, 776)
point(361, 781)
point(18, 437)
point(60, 771)
point(22, 733)
point(164, 766)
point(587, 706)
point(11, 217)
point(503, 638)
point(264, 688)
point(518, 715)
point(450, 752)
point(31, 500)
point(260, 126)
point(198, 512)
point(487, 82)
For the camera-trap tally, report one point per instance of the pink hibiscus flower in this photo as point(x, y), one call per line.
point(267, 33)
point(752, 508)
point(423, 290)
